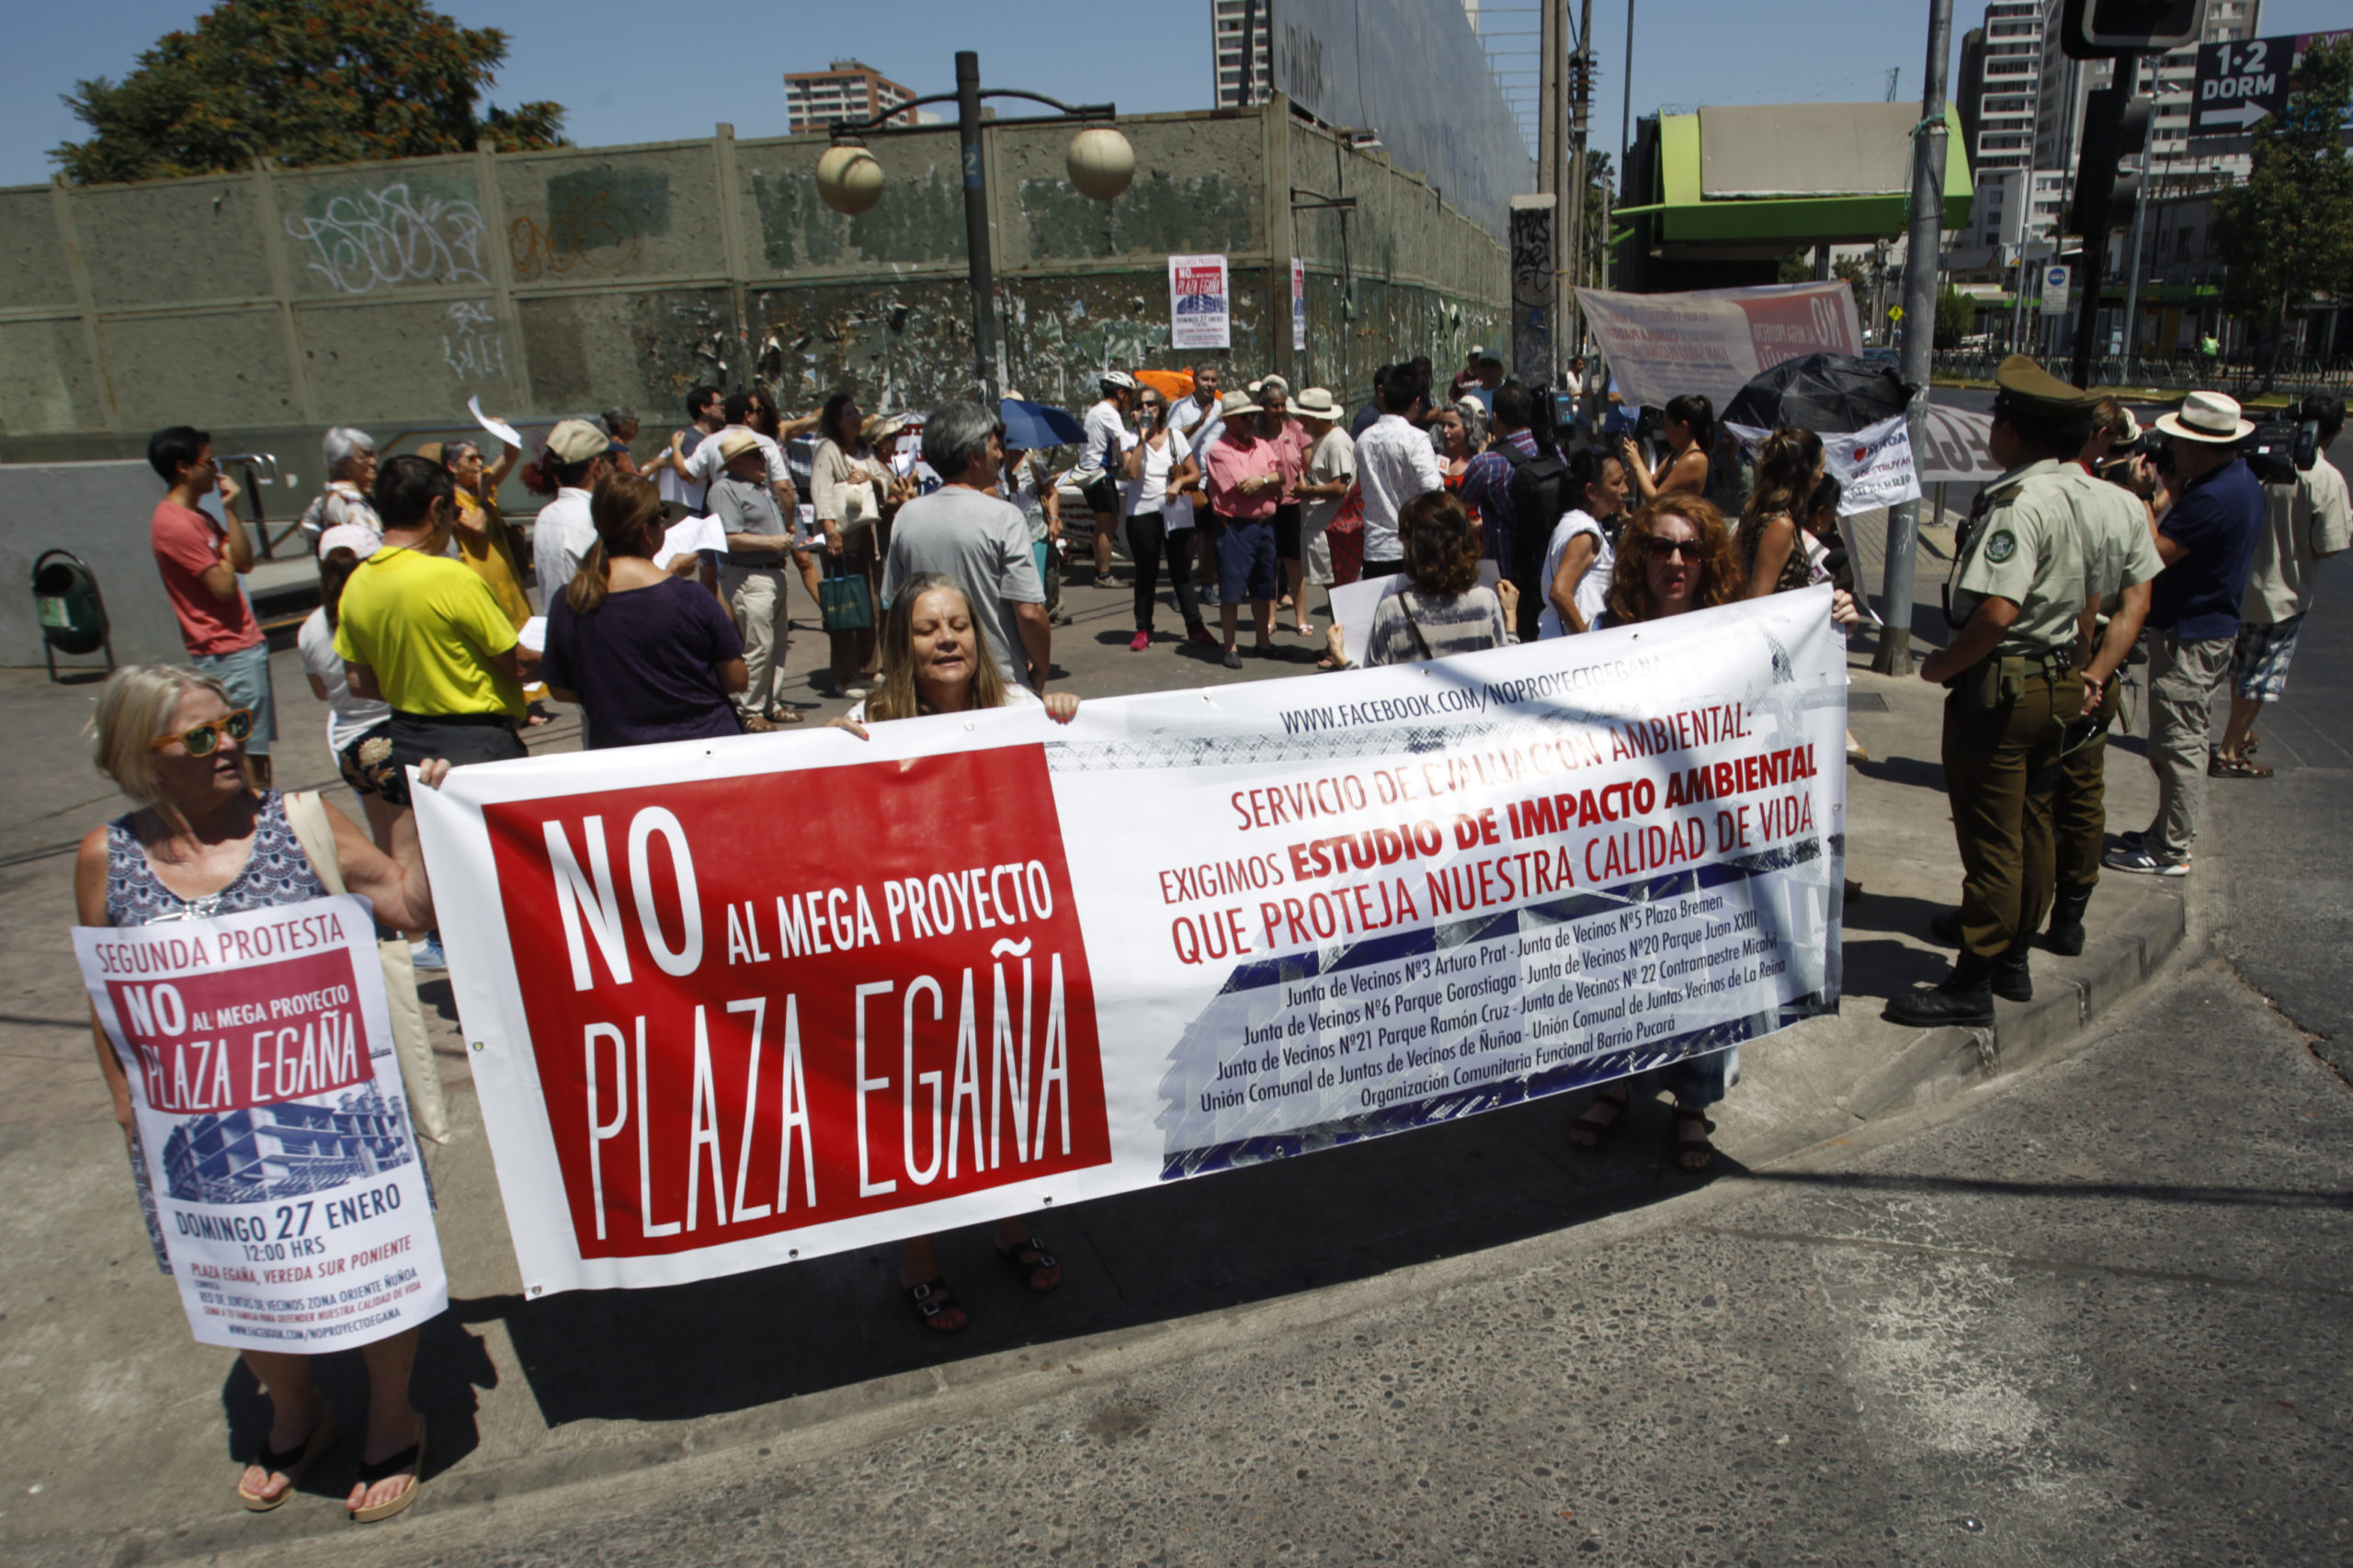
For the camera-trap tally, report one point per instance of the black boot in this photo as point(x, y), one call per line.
point(1966, 999)
point(2011, 979)
point(2067, 922)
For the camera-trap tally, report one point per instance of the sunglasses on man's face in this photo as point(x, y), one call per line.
point(205, 738)
point(1668, 548)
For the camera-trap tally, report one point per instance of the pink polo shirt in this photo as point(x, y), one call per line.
point(1227, 463)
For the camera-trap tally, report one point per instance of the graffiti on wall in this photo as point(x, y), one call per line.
point(471, 345)
point(361, 241)
point(595, 217)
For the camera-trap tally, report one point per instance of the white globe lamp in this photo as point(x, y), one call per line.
point(849, 179)
point(1101, 162)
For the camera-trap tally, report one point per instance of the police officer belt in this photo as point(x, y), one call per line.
point(2000, 679)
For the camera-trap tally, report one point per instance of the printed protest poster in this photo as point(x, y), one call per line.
point(739, 1001)
point(1873, 466)
point(1714, 340)
point(1200, 306)
point(286, 1179)
point(1298, 306)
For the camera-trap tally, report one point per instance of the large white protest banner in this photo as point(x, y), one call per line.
point(285, 1177)
point(1714, 340)
point(739, 1001)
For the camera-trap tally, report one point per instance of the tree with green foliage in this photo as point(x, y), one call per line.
point(299, 82)
point(1956, 313)
point(2286, 233)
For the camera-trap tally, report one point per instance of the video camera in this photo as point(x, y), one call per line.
point(2280, 448)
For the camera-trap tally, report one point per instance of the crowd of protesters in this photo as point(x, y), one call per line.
point(936, 566)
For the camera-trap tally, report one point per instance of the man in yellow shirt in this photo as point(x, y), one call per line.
point(423, 633)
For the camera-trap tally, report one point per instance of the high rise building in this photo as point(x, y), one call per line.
point(2066, 85)
point(1226, 18)
point(847, 89)
point(2001, 71)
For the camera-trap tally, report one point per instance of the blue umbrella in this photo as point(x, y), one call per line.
point(1031, 425)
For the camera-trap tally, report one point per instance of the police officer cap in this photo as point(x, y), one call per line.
point(2035, 392)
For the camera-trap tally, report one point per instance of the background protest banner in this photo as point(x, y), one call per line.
point(1872, 465)
point(286, 1177)
point(1201, 307)
point(738, 1002)
point(1952, 446)
point(1714, 340)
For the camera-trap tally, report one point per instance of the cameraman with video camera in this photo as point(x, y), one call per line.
point(2304, 522)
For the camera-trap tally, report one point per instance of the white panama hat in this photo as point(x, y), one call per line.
point(2207, 416)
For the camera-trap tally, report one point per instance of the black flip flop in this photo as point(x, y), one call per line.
point(411, 1458)
point(292, 1463)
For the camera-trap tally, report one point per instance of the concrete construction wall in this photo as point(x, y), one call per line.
point(269, 305)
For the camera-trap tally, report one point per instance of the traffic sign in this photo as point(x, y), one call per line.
point(2242, 82)
point(2054, 290)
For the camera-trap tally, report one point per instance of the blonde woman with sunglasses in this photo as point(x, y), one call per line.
point(203, 841)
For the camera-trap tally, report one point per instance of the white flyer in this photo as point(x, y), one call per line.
point(287, 1188)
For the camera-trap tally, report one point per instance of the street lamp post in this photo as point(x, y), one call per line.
point(1100, 162)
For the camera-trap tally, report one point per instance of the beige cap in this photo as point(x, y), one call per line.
point(1236, 404)
point(736, 443)
point(576, 441)
point(1315, 403)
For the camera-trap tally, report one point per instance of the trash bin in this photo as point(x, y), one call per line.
point(72, 612)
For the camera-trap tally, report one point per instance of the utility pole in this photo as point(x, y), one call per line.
point(2133, 256)
point(1626, 97)
point(1920, 255)
point(1549, 171)
point(1580, 104)
point(976, 225)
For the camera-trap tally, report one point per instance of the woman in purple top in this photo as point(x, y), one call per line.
point(649, 655)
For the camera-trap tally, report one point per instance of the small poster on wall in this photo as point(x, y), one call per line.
point(1298, 306)
point(1200, 306)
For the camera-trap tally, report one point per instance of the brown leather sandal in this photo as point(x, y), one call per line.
point(1688, 1143)
point(1590, 1131)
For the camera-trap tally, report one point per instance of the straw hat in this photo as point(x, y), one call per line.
point(1234, 404)
point(2207, 416)
point(1315, 403)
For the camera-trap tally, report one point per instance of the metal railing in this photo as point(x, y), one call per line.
point(2241, 378)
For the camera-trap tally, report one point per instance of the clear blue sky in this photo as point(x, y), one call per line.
point(639, 72)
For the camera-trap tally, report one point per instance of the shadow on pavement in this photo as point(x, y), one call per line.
point(1882, 969)
point(1904, 770)
point(1140, 1258)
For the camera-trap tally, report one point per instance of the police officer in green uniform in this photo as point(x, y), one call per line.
point(2121, 562)
point(2018, 602)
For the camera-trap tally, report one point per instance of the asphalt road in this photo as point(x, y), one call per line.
point(2100, 1314)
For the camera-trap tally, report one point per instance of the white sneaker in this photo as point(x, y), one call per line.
point(427, 953)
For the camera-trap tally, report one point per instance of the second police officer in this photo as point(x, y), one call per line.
point(2017, 603)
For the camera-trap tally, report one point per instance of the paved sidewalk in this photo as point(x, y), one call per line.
point(121, 1430)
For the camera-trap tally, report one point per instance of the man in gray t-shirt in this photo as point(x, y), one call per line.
point(965, 533)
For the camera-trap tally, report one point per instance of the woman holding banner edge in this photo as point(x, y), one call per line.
point(935, 659)
point(203, 842)
point(1674, 557)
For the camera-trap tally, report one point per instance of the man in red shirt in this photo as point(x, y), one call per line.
point(201, 564)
